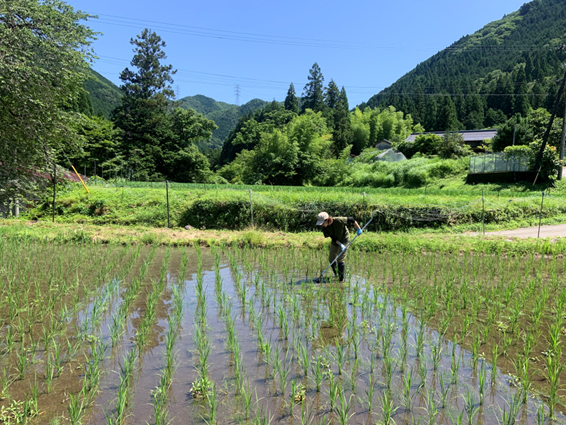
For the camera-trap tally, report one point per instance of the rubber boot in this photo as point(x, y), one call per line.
point(341, 270)
point(335, 270)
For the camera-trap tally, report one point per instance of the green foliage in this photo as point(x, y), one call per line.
point(294, 209)
point(246, 134)
point(529, 128)
point(425, 144)
point(373, 125)
point(528, 153)
point(98, 142)
point(277, 154)
point(416, 172)
point(44, 50)
point(453, 146)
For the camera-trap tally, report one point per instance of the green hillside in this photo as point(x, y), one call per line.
point(482, 79)
point(223, 114)
point(104, 94)
point(204, 105)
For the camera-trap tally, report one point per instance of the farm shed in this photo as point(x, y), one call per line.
point(473, 138)
point(383, 145)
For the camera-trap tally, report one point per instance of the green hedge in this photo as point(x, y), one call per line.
point(236, 215)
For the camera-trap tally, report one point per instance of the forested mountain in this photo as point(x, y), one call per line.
point(104, 94)
point(484, 78)
point(223, 114)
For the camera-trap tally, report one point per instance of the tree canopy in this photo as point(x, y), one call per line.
point(44, 57)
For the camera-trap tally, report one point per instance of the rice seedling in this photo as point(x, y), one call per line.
point(317, 372)
point(340, 357)
point(333, 390)
point(388, 408)
point(76, 409)
point(482, 377)
point(494, 364)
point(247, 397)
point(523, 312)
point(430, 408)
point(407, 385)
point(21, 362)
point(343, 409)
point(553, 370)
point(470, 405)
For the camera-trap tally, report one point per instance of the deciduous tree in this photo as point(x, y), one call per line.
point(44, 55)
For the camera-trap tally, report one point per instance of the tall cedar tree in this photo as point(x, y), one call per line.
point(142, 116)
point(313, 95)
point(332, 98)
point(447, 118)
point(342, 133)
point(291, 101)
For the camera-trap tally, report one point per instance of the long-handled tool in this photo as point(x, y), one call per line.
point(319, 279)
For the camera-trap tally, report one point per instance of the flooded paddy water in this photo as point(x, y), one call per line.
point(125, 335)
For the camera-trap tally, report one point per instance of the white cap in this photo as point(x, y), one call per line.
point(321, 217)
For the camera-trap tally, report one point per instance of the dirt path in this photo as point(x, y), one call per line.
point(546, 231)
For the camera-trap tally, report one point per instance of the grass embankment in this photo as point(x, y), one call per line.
point(294, 208)
point(369, 241)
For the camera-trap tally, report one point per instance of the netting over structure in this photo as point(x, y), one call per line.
point(496, 163)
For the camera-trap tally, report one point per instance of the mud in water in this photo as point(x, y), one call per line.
point(409, 338)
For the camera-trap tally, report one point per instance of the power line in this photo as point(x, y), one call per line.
point(292, 41)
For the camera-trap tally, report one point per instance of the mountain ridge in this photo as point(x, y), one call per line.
point(484, 78)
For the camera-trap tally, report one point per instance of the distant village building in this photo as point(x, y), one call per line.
point(383, 145)
point(473, 138)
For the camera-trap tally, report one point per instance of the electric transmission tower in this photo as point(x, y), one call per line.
point(237, 91)
point(177, 92)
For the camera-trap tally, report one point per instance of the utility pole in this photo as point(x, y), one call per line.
point(561, 167)
point(514, 133)
point(538, 165)
point(237, 94)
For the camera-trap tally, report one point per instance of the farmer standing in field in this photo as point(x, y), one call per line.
point(336, 228)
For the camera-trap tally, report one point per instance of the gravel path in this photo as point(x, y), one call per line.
point(547, 231)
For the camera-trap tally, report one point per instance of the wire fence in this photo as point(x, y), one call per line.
point(258, 199)
point(497, 163)
point(258, 202)
point(118, 183)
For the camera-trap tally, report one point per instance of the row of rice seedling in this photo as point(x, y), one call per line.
point(129, 367)
point(161, 392)
point(408, 338)
point(44, 295)
point(387, 324)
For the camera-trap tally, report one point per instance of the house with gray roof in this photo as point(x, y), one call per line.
point(473, 138)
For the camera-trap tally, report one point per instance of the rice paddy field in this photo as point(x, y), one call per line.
point(102, 334)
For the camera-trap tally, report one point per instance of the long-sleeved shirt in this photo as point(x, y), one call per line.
point(338, 230)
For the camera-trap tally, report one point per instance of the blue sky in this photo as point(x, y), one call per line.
point(263, 46)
